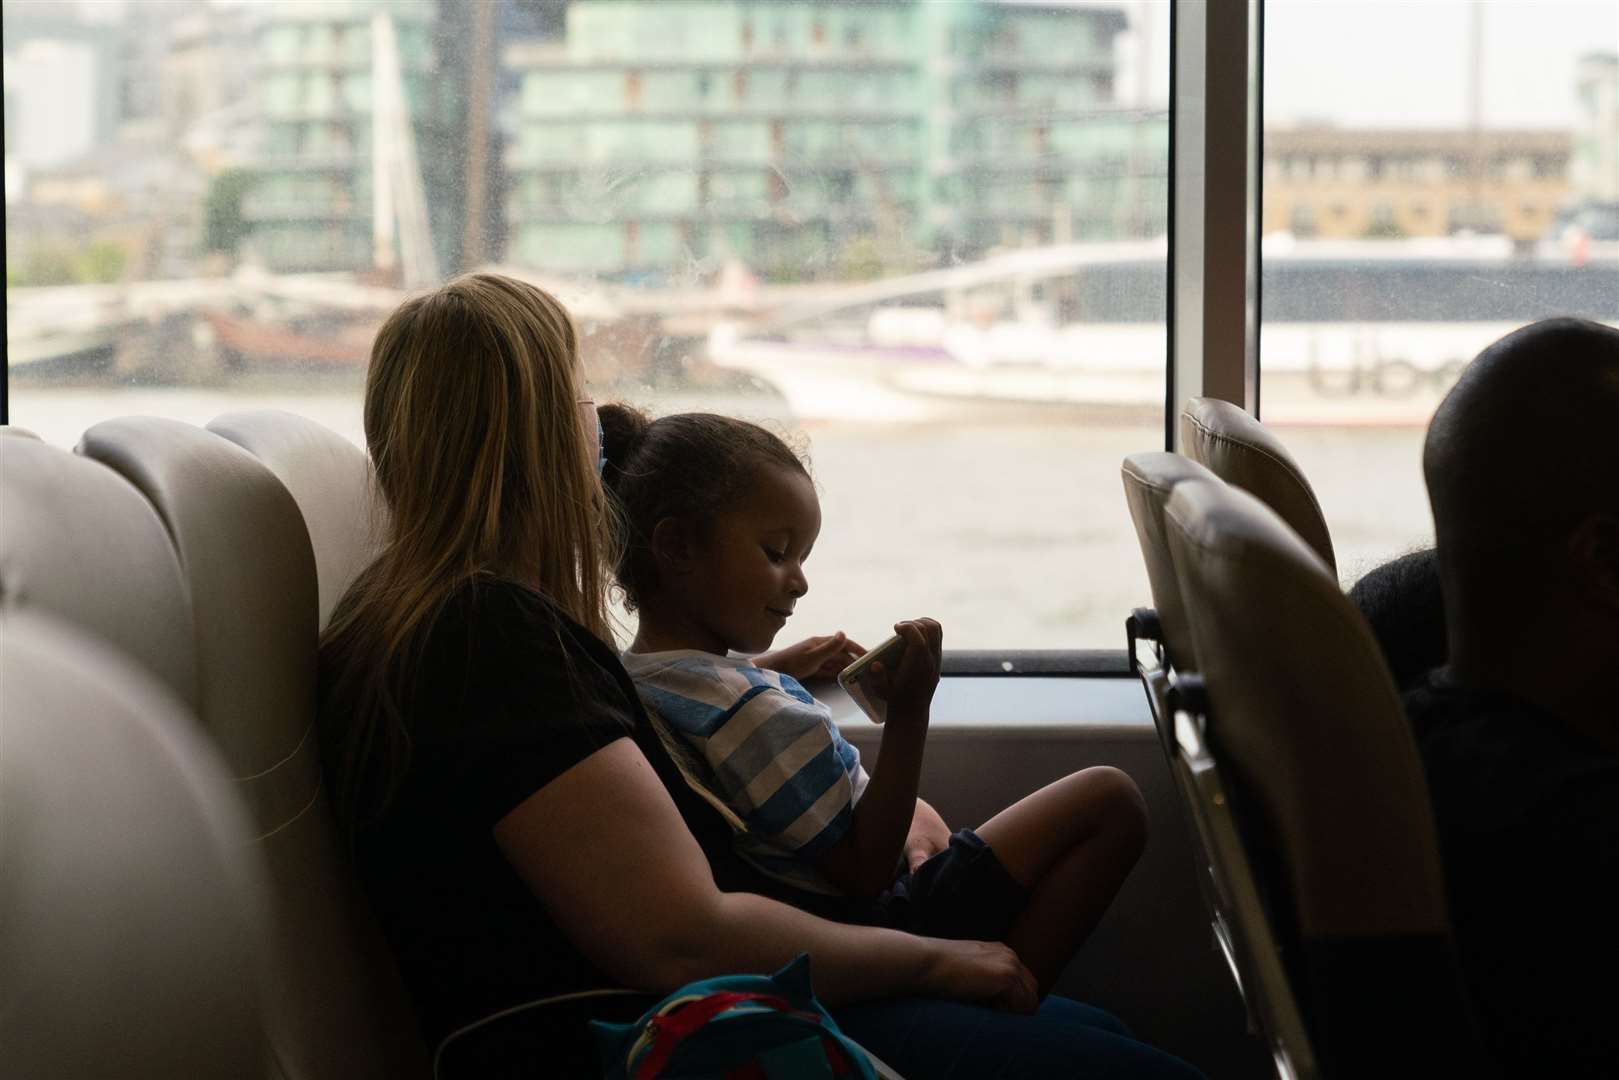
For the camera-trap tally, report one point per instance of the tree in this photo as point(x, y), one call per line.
point(861, 259)
point(223, 222)
point(100, 263)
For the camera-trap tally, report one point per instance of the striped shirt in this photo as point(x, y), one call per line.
point(758, 746)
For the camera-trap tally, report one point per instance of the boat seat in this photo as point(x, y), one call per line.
point(133, 936)
point(1242, 451)
point(336, 1007)
point(1149, 478)
point(1304, 753)
point(79, 543)
point(330, 480)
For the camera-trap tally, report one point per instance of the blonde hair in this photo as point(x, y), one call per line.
point(482, 459)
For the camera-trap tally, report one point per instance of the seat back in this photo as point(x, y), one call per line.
point(1149, 478)
point(1242, 451)
point(66, 523)
point(329, 478)
point(336, 1008)
point(132, 941)
point(1323, 783)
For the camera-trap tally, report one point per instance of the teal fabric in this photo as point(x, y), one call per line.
point(780, 1045)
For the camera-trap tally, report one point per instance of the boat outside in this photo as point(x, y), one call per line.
point(1356, 333)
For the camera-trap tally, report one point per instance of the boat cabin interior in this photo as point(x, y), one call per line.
point(164, 588)
point(176, 899)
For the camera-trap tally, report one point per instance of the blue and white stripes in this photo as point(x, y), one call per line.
point(758, 743)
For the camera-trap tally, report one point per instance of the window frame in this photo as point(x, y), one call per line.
point(1211, 349)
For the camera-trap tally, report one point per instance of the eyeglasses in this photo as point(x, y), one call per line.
point(601, 436)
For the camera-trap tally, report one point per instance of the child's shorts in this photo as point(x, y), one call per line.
point(963, 892)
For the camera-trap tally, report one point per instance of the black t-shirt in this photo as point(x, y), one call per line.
point(511, 693)
point(1528, 817)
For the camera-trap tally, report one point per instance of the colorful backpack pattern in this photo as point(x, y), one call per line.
point(735, 1027)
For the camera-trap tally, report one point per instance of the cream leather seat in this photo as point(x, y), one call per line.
point(1149, 478)
point(1242, 451)
point(131, 916)
point(330, 480)
point(1315, 799)
point(79, 543)
point(336, 1008)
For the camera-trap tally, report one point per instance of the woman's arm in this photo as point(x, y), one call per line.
point(605, 850)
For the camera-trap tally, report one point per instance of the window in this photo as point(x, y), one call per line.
point(1303, 220)
point(1440, 247)
point(757, 232)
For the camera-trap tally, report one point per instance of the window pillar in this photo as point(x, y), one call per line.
point(1214, 204)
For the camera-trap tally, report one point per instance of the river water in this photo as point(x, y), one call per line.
point(1011, 529)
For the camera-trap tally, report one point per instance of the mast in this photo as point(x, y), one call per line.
point(473, 235)
point(399, 201)
point(383, 256)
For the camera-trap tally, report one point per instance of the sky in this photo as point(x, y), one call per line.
point(1386, 63)
point(1405, 64)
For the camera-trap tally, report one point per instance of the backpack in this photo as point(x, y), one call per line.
point(735, 1027)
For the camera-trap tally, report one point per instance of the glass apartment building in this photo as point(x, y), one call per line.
point(309, 206)
point(816, 140)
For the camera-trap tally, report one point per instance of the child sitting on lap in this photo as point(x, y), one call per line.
point(719, 518)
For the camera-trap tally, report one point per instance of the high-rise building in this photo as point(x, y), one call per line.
point(821, 139)
point(310, 206)
point(65, 76)
point(1594, 169)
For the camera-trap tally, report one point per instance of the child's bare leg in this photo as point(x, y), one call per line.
point(1072, 843)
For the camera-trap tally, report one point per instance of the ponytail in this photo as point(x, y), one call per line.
point(624, 430)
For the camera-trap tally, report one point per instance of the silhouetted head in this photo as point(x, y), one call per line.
point(1404, 604)
point(482, 435)
point(1522, 465)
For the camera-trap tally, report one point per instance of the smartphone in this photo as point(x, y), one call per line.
point(854, 678)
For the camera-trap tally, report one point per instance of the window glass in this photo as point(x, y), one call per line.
point(1413, 217)
point(924, 239)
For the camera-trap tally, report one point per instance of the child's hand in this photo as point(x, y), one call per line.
point(816, 657)
point(909, 688)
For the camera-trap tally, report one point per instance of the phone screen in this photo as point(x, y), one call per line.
point(853, 678)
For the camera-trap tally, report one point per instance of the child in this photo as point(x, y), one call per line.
point(719, 517)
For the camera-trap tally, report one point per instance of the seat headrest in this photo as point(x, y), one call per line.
point(1305, 718)
point(133, 936)
point(1149, 478)
point(246, 558)
point(335, 1005)
point(78, 542)
point(330, 479)
point(1242, 451)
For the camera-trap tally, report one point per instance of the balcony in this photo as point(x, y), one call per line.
point(321, 161)
point(722, 112)
point(282, 209)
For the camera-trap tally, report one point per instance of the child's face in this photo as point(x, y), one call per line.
point(750, 572)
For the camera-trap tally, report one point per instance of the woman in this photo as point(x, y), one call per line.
point(520, 831)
